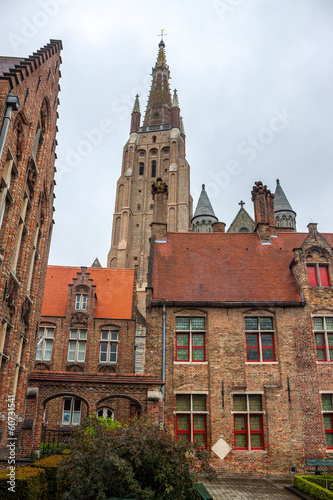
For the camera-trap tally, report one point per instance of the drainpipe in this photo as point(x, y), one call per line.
point(163, 364)
point(12, 104)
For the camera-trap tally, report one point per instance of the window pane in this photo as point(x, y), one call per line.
point(83, 334)
point(324, 277)
point(71, 351)
point(253, 355)
point(183, 402)
point(76, 417)
point(255, 402)
point(240, 441)
point(328, 422)
point(240, 402)
point(312, 275)
point(182, 323)
point(48, 350)
point(199, 402)
point(198, 355)
point(240, 422)
point(182, 340)
point(183, 422)
point(199, 440)
point(268, 354)
point(198, 339)
point(67, 404)
point(318, 323)
point(326, 400)
point(50, 333)
point(329, 439)
point(266, 323)
point(41, 332)
point(84, 302)
point(82, 351)
point(198, 323)
point(114, 335)
point(321, 355)
point(256, 440)
point(255, 422)
point(77, 405)
point(77, 302)
point(330, 339)
point(329, 323)
point(104, 335)
point(251, 340)
point(182, 355)
point(66, 416)
point(113, 353)
point(39, 351)
point(266, 339)
point(73, 334)
point(251, 323)
point(199, 422)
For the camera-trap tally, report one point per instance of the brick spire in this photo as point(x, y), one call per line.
point(158, 111)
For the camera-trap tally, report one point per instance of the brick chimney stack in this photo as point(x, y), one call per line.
point(218, 227)
point(263, 201)
point(159, 191)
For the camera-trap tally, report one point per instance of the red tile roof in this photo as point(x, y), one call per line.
point(226, 267)
point(114, 290)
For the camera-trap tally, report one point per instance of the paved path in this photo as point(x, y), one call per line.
point(235, 488)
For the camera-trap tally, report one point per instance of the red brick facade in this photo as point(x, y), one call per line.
point(28, 114)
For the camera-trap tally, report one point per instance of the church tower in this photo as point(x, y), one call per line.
point(155, 149)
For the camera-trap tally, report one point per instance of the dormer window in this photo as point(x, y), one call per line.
point(318, 274)
point(80, 302)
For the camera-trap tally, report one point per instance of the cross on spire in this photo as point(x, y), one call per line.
point(241, 203)
point(162, 35)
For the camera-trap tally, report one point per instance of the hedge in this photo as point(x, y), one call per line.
point(30, 484)
point(310, 485)
point(51, 465)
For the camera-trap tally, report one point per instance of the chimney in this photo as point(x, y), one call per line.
point(263, 201)
point(218, 227)
point(159, 191)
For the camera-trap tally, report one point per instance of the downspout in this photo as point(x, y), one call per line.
point(163, 363)
point(12, 103)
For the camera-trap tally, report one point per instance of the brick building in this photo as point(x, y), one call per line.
point(86, 355)
point(28, 114)
point(240, 328)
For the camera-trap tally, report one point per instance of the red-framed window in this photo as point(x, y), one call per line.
point(191, 419)
point(259, 335)
point(248, 422)
point(323, 331)
point(190, 339)
point(327, 405)
point(318, 274)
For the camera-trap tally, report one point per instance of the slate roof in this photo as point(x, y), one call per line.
point(114, 290)
point(280, 200)
point(226, 267)
point(204, 206)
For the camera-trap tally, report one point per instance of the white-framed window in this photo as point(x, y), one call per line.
point(108, 346)
point(191, 418)
point(323, 330)
point(190, 339)
point(77, 345)
point(45, 343)
point(248, 422)
point(81, 301)
point(71, 412)
point(105, 413)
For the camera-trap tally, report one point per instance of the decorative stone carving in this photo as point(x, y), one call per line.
point(79, 319)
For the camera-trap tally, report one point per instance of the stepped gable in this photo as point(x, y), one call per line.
point(16, 69)
point(226, 267)
point(114, 290)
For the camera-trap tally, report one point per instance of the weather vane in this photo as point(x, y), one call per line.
point(162, 34)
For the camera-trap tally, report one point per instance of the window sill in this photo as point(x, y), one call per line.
point(324, 363)
point(261, 362)
point(329, 451)
point(190, 363)
point(251, 451)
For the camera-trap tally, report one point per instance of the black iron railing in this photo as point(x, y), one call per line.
point(54, 441)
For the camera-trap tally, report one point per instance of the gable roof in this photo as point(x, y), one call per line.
point(226, 267)
point(114, 290)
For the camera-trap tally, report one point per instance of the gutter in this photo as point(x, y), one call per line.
point(12, 103)
point(163, 362)
point(172, 303)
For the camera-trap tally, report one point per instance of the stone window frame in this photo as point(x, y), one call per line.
point(190, 332)
point(43, 338)
point(260, 332)
point(191, 413)
point(328, 413)
point(317, 266)
point(79, 341)
point(247, 414)
point(81, 300)
point(325, 346)
point(111, 342)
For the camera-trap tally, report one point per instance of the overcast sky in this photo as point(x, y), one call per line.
point(254, 79)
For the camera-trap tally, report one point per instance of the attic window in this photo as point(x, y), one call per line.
point(318, 275)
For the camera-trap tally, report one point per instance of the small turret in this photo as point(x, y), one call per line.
point(175, 111)
point(136, 115)
point(204, 216)
point(285, 217)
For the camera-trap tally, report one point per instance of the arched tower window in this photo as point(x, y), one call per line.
point(153, 169)
point(154, 139)
point(141, 168)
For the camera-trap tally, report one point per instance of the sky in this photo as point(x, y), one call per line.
point(254, 80)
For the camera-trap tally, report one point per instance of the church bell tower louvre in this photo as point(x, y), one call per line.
point(155, 149)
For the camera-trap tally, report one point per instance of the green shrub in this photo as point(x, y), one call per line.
point(138, 461)
point(310, 485)
point(30, 484)
point(51, 466)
